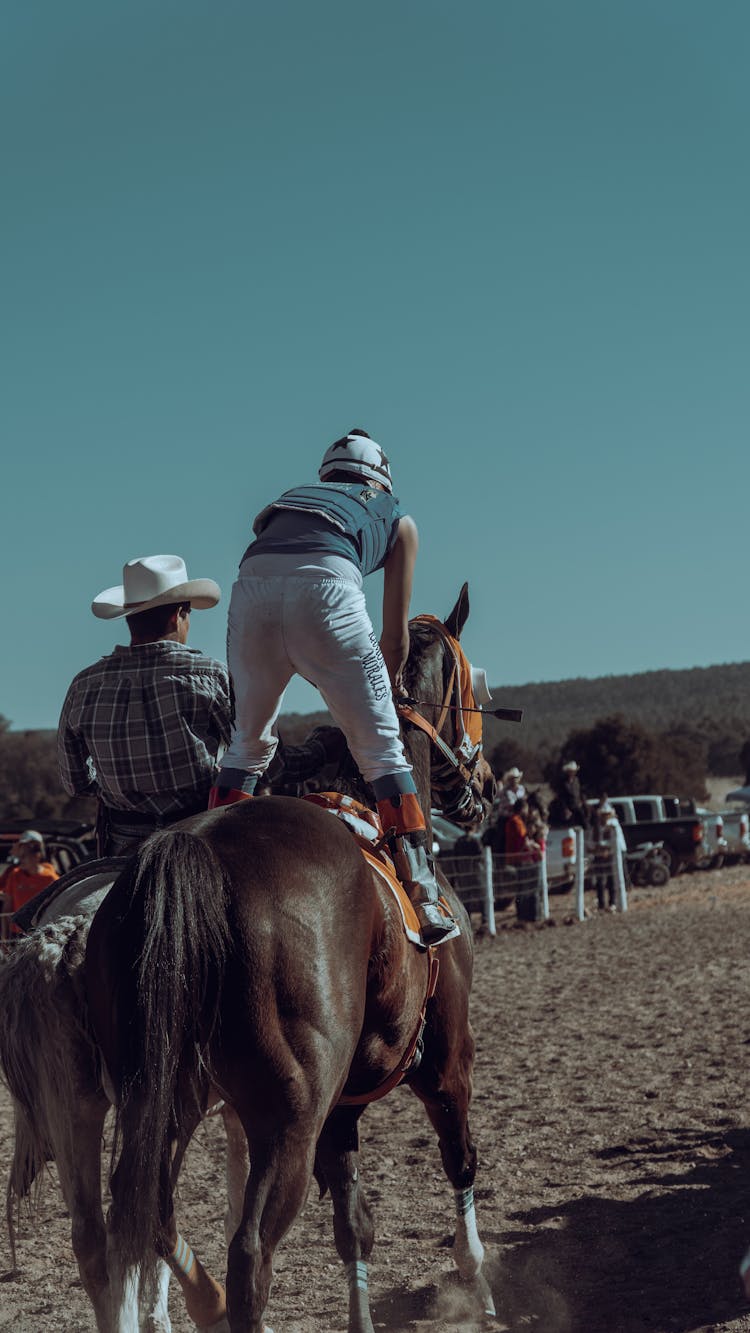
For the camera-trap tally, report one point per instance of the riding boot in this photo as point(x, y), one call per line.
point(414, 867)
point(233, 785)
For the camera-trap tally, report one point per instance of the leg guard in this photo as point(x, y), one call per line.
point(402, 817)
point(234, 784)
point(219, 796)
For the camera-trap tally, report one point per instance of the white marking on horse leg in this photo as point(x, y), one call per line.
point(158, 1320)
point(468, 1250)
point(360, 1319)
point(125, 1304)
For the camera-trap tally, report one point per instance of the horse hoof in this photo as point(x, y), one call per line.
point(486, 1297)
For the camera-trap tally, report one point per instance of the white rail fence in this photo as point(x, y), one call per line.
point(491, 880)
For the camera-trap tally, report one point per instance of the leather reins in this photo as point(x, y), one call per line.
point(463, 756)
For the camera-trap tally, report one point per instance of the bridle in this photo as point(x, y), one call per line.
point(452, 770)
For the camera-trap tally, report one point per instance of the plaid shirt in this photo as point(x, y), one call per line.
point(143, 728)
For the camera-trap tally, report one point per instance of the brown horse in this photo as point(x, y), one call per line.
point(251, 952)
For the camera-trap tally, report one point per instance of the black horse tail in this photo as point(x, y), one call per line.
point(173, 937)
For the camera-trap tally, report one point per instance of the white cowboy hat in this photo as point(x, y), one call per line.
point(570, 767)
point(154, 580)
point(512, 773)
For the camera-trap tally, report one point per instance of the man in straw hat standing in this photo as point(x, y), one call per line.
point(143, 728)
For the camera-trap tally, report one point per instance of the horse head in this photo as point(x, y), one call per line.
point(438, 680)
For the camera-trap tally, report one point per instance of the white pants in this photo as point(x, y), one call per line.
point(287, 617)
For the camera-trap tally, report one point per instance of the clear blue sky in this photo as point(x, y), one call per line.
point(507, 237)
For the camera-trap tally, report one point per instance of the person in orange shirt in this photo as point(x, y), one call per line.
point(26, 875)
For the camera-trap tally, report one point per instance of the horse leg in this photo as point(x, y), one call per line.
point(237, 1169)
point(337, 1164)
point(205, 1299)
point(276, 1189)
point(445, 1094)
point(78, 1159)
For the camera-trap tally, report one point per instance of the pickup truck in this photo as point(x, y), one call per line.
point(718, 847)
point(561, 859)
point(665, 819)
point(734, 830)
point(737, 834)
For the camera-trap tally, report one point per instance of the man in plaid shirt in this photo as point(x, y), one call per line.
point(143, 728)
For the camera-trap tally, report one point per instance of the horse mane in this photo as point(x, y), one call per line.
point(417, 676)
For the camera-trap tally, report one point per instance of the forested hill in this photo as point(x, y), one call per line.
point(706, 710)
point(712, 701)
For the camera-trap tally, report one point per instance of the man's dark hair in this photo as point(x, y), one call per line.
point(152, 624)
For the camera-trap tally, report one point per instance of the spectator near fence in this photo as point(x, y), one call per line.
point(26, 874)
point(609, 841)
point(537, 827)
point(523, 855)
point(511, 791)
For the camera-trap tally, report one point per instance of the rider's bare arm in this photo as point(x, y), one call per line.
point(399, 576)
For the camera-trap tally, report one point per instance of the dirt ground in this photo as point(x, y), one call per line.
point(613, 1127)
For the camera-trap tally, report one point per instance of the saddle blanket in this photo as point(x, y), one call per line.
point(365, 826)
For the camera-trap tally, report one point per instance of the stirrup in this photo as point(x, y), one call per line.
point(219, 796)
point(435, 927)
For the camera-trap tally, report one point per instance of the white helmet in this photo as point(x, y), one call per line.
point(359, 454)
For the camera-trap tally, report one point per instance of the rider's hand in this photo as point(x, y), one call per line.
point(395, 661)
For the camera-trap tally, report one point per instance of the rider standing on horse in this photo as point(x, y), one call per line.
point(142, 729)
point(298, 607)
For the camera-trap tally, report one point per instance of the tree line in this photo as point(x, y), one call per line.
point(661, 731)
point(680, 725)
point(30, 786)
point(618, 757)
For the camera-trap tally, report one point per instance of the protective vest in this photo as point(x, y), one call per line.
point(353, 520)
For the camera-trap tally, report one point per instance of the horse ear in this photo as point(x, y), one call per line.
point(459, 615)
